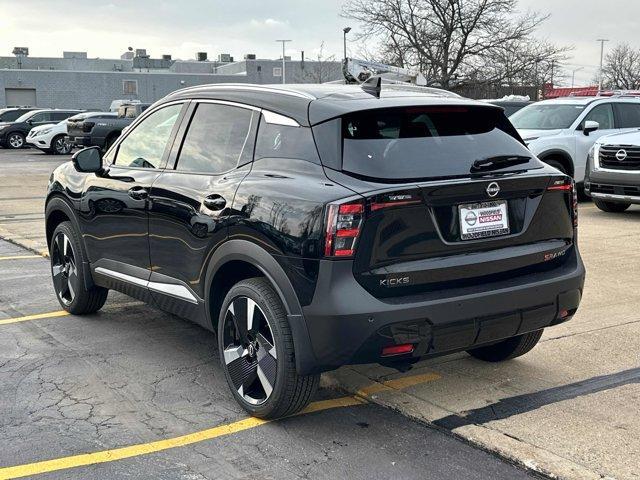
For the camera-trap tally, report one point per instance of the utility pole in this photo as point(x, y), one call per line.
point(602, 42)
point(573, 75)
point(284, 42)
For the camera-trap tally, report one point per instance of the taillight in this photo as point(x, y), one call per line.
point(569, 188)
point(397, 350)
point(344, 222)
point(574, 204)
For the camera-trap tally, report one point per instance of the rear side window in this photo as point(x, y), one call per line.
point(426, 142)
point(603, 114)
point(10, 116)
point(216, 139)
point(285, 141)
point(58, 116)
point(629, 115)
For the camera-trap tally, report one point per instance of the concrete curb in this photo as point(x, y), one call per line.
point(531, 457)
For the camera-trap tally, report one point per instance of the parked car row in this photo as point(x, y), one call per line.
point(48, 129)
point(596, 140)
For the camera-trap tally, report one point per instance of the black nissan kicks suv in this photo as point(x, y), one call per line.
point(314, 226)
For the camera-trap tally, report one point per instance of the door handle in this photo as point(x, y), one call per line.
point(214, 202)
point(138, 193)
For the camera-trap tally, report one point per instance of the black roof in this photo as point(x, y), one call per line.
point(310, 104)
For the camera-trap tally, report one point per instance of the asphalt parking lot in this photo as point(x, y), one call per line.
point(134, 392)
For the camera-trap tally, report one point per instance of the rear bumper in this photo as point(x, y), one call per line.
point(347, 325)
point(86, 141)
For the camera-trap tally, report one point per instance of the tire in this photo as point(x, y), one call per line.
point(59, 146)
point(67, 258)
point(611, 207)
point(507, 349)
point(557, 165)
point(257, 353)
point(15, 141)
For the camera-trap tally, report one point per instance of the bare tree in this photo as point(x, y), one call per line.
point(621, 69)
point(452, 41)
point(322, 70)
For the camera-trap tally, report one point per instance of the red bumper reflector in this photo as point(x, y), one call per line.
point(560, 187)
point(564, 313)
point(380, 206)
point(397, 350)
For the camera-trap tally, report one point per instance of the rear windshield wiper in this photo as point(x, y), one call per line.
point(498, 162)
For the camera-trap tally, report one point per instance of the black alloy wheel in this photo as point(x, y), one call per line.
point(75, 293)
point(250, 355)
point(256, 350)
point(64, 269)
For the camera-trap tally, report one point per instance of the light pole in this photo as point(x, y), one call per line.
point(573, 75)
point(602, 41)
point(284, 42)
point(345, 30)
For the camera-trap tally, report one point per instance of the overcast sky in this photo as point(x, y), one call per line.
point(181, 28)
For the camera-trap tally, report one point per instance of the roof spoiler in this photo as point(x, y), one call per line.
point(372, 86)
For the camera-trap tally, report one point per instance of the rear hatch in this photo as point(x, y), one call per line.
point(429, 219)
point(80, 127)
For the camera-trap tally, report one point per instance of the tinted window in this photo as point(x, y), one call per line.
point(629, 115)
point(426, 142)
point(57, 116)
point(282, 141)
point(603, 114)
point(549, 116)
point(10, 115)
point(25, 116)
point(41, 117)
point(215, 139)
point(144, 147)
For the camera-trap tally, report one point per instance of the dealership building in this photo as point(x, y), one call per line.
point(76, 81)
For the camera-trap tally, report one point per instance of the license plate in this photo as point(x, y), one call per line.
point(482, 220)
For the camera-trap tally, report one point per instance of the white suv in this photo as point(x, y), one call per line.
point(50, 138)
point(561, 132)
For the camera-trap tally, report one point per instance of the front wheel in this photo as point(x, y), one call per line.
point(507, 349)
point(68, 276)
point(15, 140)
point(59, 146)
point(611, 207)
point(256, 351)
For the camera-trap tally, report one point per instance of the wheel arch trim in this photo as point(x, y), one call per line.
point(557, 152)
point(56, 202)
point(249, 252)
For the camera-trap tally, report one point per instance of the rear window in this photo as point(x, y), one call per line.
point(426, 142)
point(10, 115)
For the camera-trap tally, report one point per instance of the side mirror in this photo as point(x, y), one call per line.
point(30, 122)
point(590, 126)
point(88, 160)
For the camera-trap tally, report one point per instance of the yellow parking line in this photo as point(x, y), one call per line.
point(399, 383)
point(157, 446)
point(59, 313)
point(20, 257)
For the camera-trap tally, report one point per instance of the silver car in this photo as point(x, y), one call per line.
point(612, 176)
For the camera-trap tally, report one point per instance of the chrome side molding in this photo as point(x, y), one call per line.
point(171, 289)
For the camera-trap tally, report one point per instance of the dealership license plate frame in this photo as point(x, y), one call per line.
point(501, 228)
